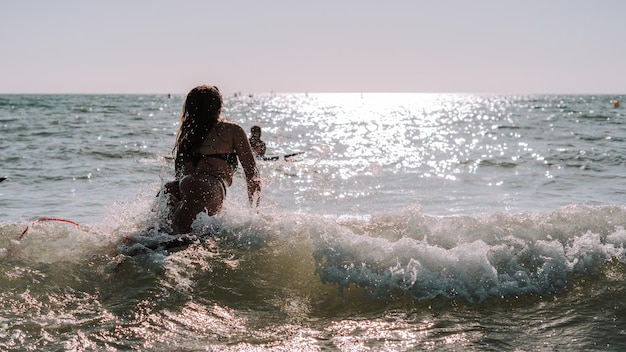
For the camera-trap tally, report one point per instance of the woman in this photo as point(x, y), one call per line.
point(206, 152)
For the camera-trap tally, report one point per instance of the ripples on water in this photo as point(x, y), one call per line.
point(412, 221)
point(449, 153)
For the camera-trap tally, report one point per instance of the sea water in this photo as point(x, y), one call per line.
point(409, 222)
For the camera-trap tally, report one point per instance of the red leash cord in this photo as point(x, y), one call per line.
point(47, 219)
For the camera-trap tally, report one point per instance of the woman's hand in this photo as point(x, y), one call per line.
point(254, 192)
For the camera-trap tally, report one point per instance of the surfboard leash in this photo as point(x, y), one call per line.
point(46, 219)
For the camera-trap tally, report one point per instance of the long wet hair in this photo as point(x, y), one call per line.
point(201, 112)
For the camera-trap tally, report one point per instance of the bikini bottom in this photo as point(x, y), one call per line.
point(217, 177)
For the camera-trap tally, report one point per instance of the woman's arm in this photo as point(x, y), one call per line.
point(247, 160)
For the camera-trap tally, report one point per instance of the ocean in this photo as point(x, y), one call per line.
point(444, 222)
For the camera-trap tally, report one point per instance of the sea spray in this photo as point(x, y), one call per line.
point(510, 264)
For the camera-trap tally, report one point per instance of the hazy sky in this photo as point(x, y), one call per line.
point(154, 46)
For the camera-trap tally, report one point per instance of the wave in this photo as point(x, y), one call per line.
point(475, 259)
point(385, 256)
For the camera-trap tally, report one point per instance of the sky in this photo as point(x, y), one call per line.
point(253, 46)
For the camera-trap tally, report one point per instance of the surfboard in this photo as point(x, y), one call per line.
point(278, 157)
point(177, 243)
point(264, 158)
point(137, 244)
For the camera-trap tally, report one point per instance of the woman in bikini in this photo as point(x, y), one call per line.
point(207, 152)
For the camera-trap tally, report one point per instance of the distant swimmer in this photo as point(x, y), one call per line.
point(616, 104)
point(258, 146)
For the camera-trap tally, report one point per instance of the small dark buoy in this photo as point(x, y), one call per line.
point(616, 104)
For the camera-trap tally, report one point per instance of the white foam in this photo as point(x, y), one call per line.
point(402, 252)
point(519, 263)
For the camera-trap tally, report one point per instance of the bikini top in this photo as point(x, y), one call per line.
point(230, 158)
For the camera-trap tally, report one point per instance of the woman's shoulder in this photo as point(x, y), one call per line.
point(229, 125)
point(231, 130)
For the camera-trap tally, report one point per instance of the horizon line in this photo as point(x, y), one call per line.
point(239, 93)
